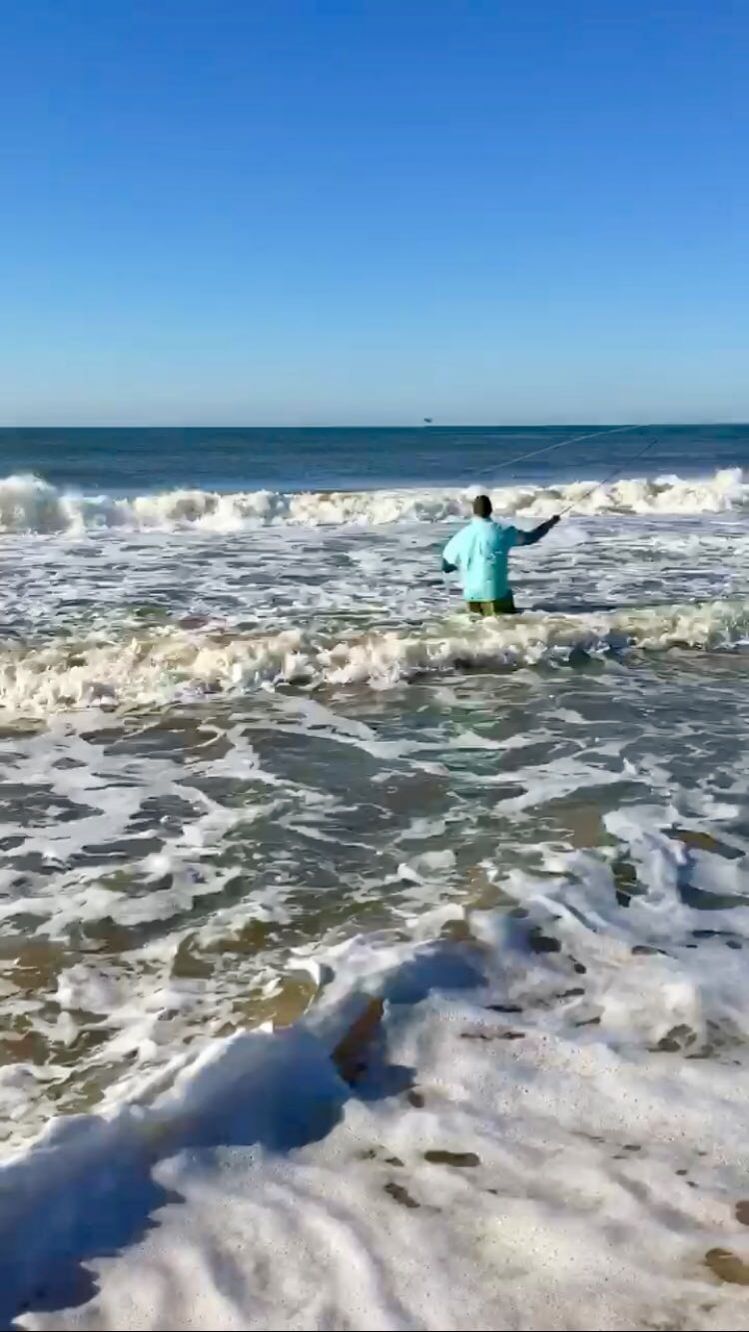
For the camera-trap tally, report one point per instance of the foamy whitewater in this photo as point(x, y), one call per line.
point(364, 965)
point(30, 504)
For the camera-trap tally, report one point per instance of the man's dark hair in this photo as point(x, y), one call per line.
point(482, 506)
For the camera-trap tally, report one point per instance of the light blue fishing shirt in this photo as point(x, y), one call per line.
point(479, 552)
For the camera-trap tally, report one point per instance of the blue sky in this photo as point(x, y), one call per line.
point(280, 211)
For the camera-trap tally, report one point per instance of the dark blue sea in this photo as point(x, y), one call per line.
point(139, 461)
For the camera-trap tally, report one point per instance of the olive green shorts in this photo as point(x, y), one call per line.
point(504, 606)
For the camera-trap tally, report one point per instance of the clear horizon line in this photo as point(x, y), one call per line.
point(418, 425)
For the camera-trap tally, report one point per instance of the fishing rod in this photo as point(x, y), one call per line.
point(576, 439)
point(650, 443)
point(612, 475)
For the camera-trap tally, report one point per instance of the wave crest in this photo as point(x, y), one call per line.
point(173, 664)
point(28, 504)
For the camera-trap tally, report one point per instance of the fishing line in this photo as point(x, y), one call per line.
point(611, 476)
point(576, 439)
point(561, 443)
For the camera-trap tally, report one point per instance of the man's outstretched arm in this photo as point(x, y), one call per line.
point(536, 533)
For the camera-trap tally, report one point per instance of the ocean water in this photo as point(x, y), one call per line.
point(363, 965)
point(136, 462)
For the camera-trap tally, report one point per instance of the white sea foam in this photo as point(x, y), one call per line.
point(30, 504)
point(170, 664)
point(522, 1137)
point(173, 873)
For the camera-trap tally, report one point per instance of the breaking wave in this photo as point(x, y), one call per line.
point(170, 664)
point(28, 504)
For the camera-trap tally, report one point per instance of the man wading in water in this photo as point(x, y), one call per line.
point(479, 554)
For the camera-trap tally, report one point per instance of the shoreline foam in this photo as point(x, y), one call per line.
point(535, 1122)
